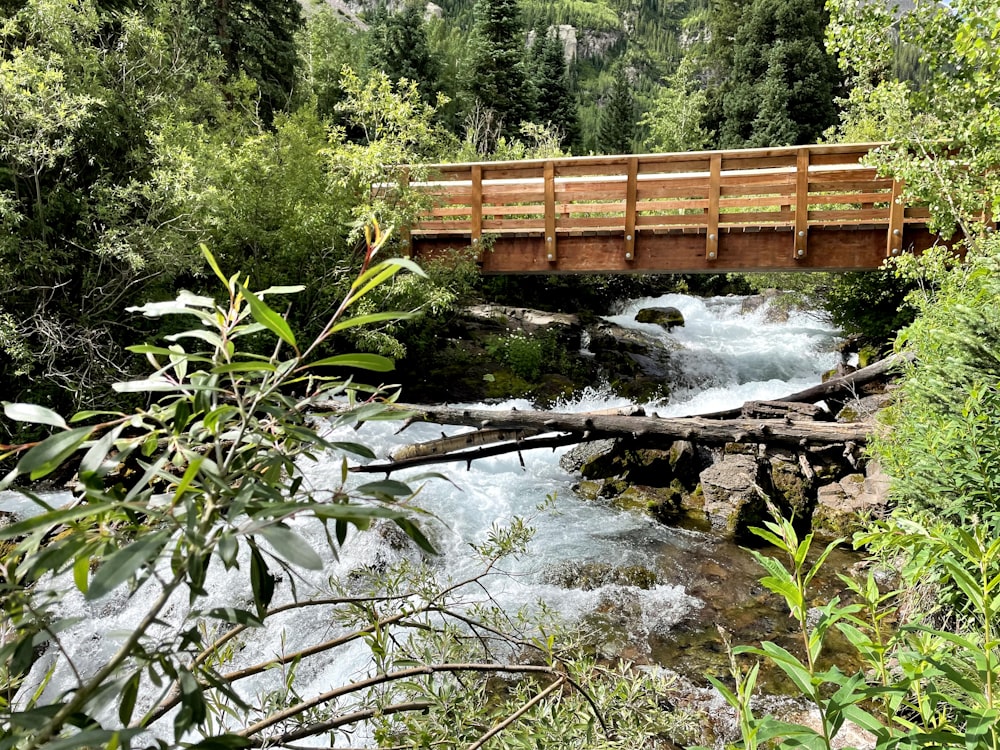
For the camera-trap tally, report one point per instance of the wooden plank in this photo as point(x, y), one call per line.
point(476, 207)
point(550, 212)
point(894, 239)
point(712, 218)
point(801, 241)
point(630, 200)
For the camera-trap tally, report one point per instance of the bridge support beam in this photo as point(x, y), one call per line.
point(830, 249)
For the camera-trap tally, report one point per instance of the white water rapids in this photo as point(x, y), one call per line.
point(735, 355)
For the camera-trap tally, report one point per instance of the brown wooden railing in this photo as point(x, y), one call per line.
point(753, 209)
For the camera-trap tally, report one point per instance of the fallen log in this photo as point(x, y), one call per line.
point(579, 428)
point(454, 443)
point(847, 384)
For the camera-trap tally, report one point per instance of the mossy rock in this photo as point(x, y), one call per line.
point(793, 491)
point(593, 575)
point(665, 317)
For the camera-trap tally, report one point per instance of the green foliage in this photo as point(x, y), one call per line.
point(918, 686)
point(522, 354)
point(782, 83)
point(255, 38)
point(554, 103)
point(397, 45)
point(327, 44)
point(618, 116)
point(947, 406)
point(210, 472)
point(498, 77)
point(674, 120)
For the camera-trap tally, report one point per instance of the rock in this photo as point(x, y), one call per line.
point(582, 454)
point(665, 317)
point(521, 318)
point(594, 575)
point(732, 493)
point(843, 507)
point(792, 490)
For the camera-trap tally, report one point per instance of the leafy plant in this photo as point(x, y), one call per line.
point(918, 685)
point(210, 474)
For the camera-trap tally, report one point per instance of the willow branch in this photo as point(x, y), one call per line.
point(313, 729)
point(535, 700)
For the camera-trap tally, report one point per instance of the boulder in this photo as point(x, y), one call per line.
point(666, 317)
point(732, 494)
point(843, 507)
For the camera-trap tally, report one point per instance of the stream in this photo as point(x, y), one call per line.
point(732, 352)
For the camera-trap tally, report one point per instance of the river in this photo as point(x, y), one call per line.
point(732, 352)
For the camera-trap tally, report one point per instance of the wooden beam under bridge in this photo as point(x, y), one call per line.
point(801, 208)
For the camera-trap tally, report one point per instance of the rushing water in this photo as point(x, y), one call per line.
point(737, 354)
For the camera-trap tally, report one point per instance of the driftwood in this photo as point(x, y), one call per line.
point(834, 387)
point(782, 409)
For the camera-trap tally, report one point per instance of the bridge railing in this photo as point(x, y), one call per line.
point(785, 189)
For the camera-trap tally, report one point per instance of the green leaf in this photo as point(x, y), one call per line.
point(149, 385)
point(213, 263)
point(243, 367)
point(81, 573)
point(364, 320)
point(373, 362)
point(291, 547)
point(268, 317)
point(130, 691)
point(33, 413)
point(125, 563)
point(385, 487)
point(221, 742)
point(261, 580)
point(51, 452)
point(230, 614)
point(413, 531)
point(45, 521)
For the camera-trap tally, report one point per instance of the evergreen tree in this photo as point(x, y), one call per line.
point(617, 124)
point(498, 79)
point(554, 102)
point(397, 45)
point(783, 83)
point(256, 38)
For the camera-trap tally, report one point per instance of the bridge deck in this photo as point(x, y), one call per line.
point(794, 208)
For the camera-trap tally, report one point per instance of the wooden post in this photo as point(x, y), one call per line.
point(405, 235)
point(894, 240)
point(714, 187)
point(631, 190)
point(477, 205)
point(801, 204)
point(550, 212)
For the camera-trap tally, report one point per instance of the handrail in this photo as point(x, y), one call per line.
point(793, 188)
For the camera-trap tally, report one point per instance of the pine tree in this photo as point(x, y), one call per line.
point(257, 38)
point(617, 123)
point(397, 45)
point(554, 102)
point(498, 79)
point(783, 83)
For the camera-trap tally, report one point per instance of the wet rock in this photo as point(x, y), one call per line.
point(843, 507)
point(595, 575)
point(522, 319)
point(792, 489)
point(583, 454)
point(636, 364)
point(666, 317)
point(732, 494)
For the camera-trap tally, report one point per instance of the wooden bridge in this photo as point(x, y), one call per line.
point(803, 208)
